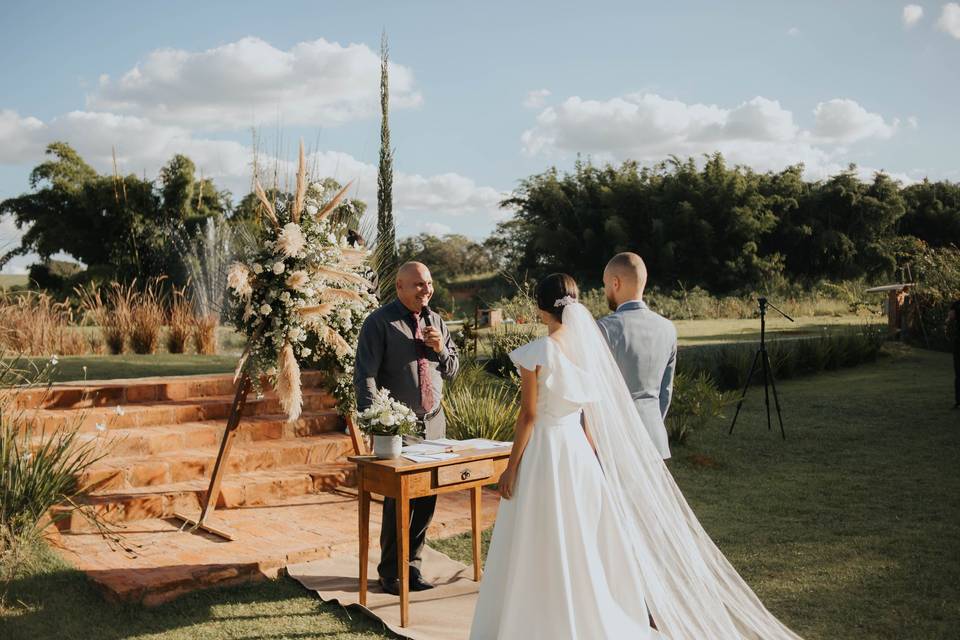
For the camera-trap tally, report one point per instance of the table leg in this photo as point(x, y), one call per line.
point(403, 552)
point(364, 509)
point(475, 497)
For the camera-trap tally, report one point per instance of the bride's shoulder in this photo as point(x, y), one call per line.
point(532, 354)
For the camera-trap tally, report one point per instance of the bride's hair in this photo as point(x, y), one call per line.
point(552, 288)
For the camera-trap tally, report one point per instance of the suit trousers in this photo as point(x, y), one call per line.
point(421, 515)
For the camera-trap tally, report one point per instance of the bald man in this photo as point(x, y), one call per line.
point(405, 347)
point(643, 343)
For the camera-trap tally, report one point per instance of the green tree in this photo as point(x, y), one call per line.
point(386, 249)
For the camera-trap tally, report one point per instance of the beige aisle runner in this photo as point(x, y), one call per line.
point(443, 613)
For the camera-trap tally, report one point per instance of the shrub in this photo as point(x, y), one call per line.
point(205, 333)
point(502, 342)
point(479, 405)
point(696, 402)
point(35, 324)
point(146, 318)
point(179, 319)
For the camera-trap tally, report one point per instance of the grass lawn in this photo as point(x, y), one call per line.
point(13, 280)
point(70, 368)
point(849, 529)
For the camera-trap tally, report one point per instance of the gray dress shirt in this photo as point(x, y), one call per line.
point(387, 358)
point(644, 344)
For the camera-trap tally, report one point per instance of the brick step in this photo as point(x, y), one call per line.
point(206, 434)
point(100, 393)
point(171, 412)
point(248, 489)
point(131, 472)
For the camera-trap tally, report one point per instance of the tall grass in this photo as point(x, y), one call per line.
point(35, 324)
point(480, 405)
point(111, 314)
point(179, 321)
point(205, 333)
point(147, 315)
point(38, 469)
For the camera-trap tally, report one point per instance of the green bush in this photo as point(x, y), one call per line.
point(480, 405)
point(696, 402)
point(502, 342)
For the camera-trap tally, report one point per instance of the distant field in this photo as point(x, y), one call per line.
point(13, 280)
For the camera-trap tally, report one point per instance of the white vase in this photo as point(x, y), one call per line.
point(387, 447)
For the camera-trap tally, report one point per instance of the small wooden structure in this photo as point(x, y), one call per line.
point(491, 318)
point(897, 295)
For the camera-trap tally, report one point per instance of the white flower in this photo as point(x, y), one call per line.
point(387, 419)
point(238, 279)
point(290, 241)
point(305, 352)
point(278, 268)
point(285, 296)
point(119, 410)
point(295, 333)
point(54, 359)
point(100, 427)
point(312, 210)
point(331, 238)
point(265, 309)
point(272, 371)
point(298, 280)
point(257, 268)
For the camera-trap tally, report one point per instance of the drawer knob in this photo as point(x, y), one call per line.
point(465, 475)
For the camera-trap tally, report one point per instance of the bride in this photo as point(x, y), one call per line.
point(593, 539)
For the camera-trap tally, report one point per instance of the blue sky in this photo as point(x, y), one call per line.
point(486, 93)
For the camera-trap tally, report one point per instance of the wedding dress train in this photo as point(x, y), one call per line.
point(589, 544)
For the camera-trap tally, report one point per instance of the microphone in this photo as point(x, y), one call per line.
point(425, 314)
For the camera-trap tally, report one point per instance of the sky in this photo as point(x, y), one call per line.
point(483, 94)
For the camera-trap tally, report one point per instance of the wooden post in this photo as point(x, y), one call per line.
point(476, 500)
point(213, 492)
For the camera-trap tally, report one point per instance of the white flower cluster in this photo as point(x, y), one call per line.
point(387, 416)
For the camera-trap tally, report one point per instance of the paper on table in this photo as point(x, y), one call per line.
point(473, 443)
point(423, 448)
point(429, 457)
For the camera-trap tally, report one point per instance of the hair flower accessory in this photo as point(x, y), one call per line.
point(564, 301)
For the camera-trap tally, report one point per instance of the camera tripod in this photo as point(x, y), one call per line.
point(768, 380)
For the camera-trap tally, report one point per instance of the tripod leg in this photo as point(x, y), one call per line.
point(776, 401)
point(766, 385)
point(743, 395)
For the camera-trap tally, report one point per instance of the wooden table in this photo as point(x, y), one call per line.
point(403, 480)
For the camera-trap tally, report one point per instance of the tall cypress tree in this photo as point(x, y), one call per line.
point(386, 251)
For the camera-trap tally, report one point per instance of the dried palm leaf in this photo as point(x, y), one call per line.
point(344, 295)
point(265, 201)
point(288, 388)
point(338, 275)
point(335, 340)
point(353, 257)
point(301, 187)
point(330, 206)
point(320, 310)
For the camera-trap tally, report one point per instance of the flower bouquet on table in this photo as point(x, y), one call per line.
point(387, 420)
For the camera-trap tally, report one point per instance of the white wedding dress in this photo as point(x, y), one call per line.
point(589, 544)
point(555, 566)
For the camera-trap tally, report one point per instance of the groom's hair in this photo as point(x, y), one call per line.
point(630, 267)
point(552, 288)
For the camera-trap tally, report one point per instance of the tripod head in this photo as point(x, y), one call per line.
point(764, 303)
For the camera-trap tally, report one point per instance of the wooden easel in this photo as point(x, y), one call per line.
point(229, 434)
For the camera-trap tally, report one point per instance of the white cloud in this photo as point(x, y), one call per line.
point(437, 229)
point(17, 136)
point(912, 14)
point(536, 99)
point(793, 32)
point(249, 81)
point(950, 19)
point(912, 122)
point(646, 127)
point(843, 120)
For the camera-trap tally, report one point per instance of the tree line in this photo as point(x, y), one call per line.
point(720, 227)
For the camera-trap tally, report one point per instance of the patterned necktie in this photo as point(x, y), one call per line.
point(423, 365)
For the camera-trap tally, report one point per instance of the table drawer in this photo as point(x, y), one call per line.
point(465, 472)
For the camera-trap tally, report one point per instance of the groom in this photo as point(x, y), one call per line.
point(406, 348)
point(643, 343)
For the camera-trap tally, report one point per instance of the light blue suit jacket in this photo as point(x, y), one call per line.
point(644, 344)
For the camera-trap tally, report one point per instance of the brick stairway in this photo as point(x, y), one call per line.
point(162, 436)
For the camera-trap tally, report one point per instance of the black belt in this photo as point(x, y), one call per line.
point(429, 416)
